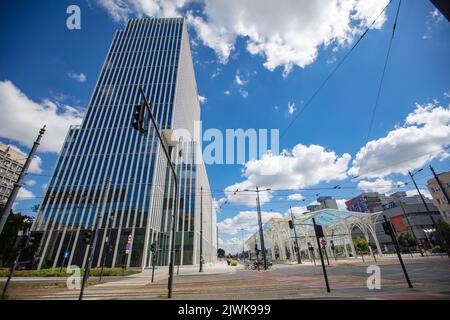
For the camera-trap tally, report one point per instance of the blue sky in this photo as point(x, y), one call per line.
point(249, 75)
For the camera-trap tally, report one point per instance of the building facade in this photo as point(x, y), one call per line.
point(366, 202)
point(11, 164)
point(152, 54)
point(438, 195)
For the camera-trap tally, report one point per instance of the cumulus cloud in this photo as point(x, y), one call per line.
point(30, 182)
point(303, 166)
point(25, 194)
point(296, 197)
point(285, 32)
point(80, 77)
point(247, 220)
point(22, 118)
point(414, 192)
point(378, 185)
point(424, 137)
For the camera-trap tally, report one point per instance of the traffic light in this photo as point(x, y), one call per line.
point(387, 227)
point(139, 115)
point(319, 231)
point(87, 237)
point(291, 224)
point(30, 241)
point(153, 247)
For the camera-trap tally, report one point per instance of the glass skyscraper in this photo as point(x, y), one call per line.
point(153, 54)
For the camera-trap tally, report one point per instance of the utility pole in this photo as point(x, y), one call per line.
point(177, 206)
point(19, 182)
point(201, 229)
point(440, 185)
point(441, 238)
point(299, 260)
point(93, 243)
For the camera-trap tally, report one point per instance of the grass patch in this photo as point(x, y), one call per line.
point(56, 272)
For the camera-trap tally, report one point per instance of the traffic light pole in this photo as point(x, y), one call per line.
point(154, 250)
point(175, 212)
point(93, 243)
point(108, 248)
point(397, 249)
point(18, 184)
point(299, 260)
point(324, 269)
point(201, 229)
point(27, 234)
point(441, 237)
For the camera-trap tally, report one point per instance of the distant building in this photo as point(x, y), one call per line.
point(439, 198)
point(323, 203)
point(11, 164)
point(367, 202)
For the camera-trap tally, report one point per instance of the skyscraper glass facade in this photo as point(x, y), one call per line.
point(152, 54)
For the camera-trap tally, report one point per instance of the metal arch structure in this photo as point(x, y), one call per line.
point(337, 226)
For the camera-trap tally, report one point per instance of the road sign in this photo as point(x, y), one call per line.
point(323, 242)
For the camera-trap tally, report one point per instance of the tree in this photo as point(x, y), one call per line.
point(361, 244)
point(407, 239)
point(220, 253)
point(444, 227)
point(9, 236)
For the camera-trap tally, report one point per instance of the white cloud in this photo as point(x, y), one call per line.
point(285, 32)
point(303, 166)
point(379, 185)
point(25, 194)
point(243, 93)
point(239, 80)
point(22, 118)
point(424, 136)
point(80, 77)
point(202, 99)
point(296, 197)
point(30, 182)
point(291, 108)
point(414, 192)
point(227, 92)
point(247, 220)
point(121, 10)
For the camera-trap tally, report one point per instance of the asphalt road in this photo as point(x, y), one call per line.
point(430, 277)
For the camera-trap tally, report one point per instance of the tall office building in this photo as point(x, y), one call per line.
point(153, 54)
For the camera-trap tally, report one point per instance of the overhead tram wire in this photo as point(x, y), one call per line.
point(322, 85)
point(386, 61)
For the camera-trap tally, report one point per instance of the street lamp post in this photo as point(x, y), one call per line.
point(441, 238)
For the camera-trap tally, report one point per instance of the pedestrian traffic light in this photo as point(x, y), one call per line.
point(87, 237)
point(291, 224)
point(319, 231)
point(139, 115)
